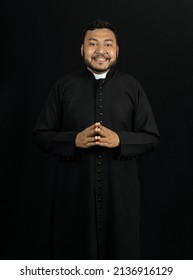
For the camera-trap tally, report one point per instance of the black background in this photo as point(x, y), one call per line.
point(40, 41)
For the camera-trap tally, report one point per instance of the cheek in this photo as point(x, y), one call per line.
point(113, 54)
point(88, 52)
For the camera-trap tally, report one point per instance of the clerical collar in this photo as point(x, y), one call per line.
point(108, 74)
point(100, 76)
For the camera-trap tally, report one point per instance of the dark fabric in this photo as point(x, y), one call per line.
point(96, 199)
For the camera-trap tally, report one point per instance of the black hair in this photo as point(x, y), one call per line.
point(99, 24)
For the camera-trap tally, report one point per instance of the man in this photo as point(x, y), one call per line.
point(97, 122)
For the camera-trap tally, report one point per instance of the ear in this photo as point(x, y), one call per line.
point(81, 50)
point(117, 51)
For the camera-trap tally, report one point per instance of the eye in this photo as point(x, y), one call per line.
point(108, 45)
point(92, 44)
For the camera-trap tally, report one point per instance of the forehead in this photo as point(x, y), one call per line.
point(100, 34)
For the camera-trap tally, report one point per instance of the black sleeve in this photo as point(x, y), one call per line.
point(144, 136)
point(48, 133)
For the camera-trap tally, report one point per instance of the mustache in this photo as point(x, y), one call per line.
point(105, 56)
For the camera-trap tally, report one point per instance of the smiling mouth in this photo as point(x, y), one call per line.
point(101, 58)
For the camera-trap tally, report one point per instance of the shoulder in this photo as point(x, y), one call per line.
point(126, 80)
point(69, 78)
point(65, 82)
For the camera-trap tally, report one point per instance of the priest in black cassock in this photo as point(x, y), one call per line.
point(97, 122)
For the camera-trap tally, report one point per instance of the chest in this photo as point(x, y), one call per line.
point(85, 104)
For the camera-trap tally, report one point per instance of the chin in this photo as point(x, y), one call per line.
point(98, 69)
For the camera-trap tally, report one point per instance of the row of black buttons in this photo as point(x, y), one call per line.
point(99, 111)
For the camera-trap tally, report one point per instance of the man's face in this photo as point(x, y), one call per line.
point(100, 50)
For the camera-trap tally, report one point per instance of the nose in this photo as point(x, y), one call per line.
point(101, 48)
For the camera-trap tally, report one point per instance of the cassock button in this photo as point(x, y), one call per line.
point(98, 179)
point(100, 99)
point(99, 206)
point(100, 106)
point(99, 186)
point(100, 93)
point(99, 170)
point(99, 199)
point(100, 114)
point(99, 156)
point(99, 163)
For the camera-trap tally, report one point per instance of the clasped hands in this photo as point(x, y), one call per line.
point(97, 135)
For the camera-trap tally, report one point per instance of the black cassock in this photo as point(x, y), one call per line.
point(96, 196)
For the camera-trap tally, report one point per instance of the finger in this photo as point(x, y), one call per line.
point(91, 131)
point(90, 139)
point(102, 140)
point(97, 138)
point(97, 124)
point(105, 141)
point(90, 144)
point(97, 130)
point(102, 132)
point(90, 127)
point(103, 144)
point(103, 127)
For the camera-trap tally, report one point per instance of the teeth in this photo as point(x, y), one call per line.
point(100, 59)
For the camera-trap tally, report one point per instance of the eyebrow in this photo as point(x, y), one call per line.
point(94, 39)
